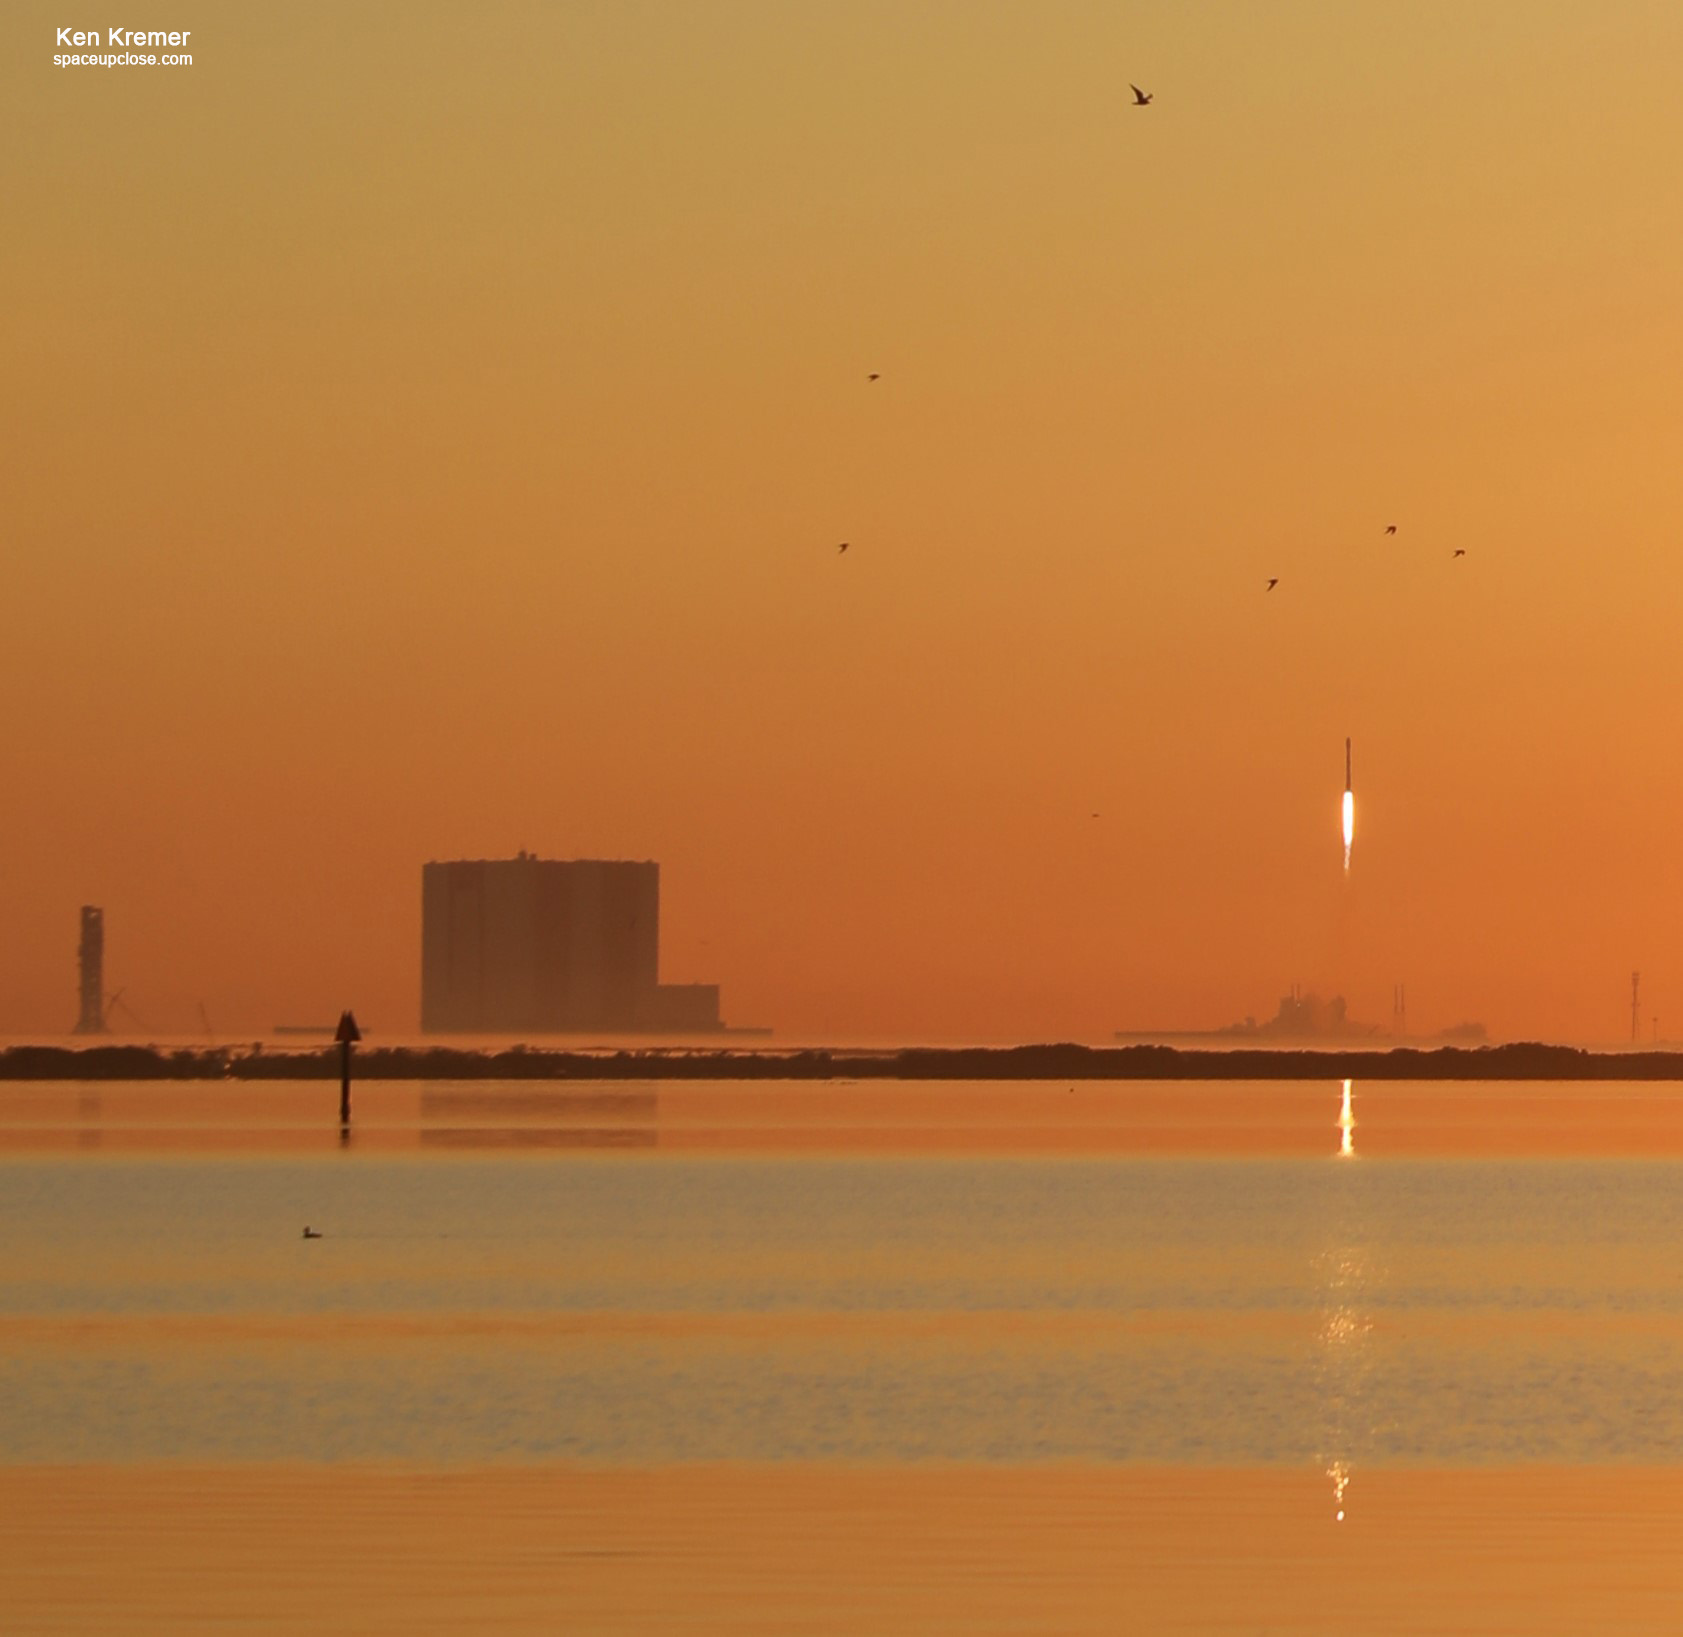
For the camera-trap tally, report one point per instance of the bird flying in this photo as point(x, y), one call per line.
point(1390, 528)
point(843, 546)
point(1460, 551)
point(874, 376)
point(1141, 98)
point(1272, 583)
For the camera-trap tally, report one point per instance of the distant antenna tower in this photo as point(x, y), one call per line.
point(90, 958)
point(1635, 1007)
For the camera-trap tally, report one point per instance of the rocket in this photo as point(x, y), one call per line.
point(1347, 809)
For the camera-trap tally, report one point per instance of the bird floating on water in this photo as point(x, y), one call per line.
point(312, 1233)
point(1141, 98)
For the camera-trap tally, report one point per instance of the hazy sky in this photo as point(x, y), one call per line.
point(428, 428)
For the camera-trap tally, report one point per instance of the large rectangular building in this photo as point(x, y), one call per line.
point(544, 946)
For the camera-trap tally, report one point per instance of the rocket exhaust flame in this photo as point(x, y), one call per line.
point(1349, 812)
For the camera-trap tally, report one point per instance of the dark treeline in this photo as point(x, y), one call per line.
point(1521, 1061)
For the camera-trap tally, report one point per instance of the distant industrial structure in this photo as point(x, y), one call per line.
point(1302, 1017)
point(90, 960)
point(546, 946)
point(1306, 1018)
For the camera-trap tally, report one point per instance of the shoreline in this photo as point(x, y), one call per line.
point(1517, 1061)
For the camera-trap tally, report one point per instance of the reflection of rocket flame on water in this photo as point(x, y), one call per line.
point(1345, 1331)
point(1349, 811)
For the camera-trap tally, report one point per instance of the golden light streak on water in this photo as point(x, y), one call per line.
point(1339, 1472)
point(1346, 1327)
point(1349, 825)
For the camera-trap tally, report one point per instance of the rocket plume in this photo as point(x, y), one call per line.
point(1349, 810)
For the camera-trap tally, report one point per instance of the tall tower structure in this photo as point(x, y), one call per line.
point(90, 958)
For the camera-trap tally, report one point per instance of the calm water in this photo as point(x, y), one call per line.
point(1036, 1287)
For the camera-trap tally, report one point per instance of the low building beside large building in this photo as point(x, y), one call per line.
point(547, 946)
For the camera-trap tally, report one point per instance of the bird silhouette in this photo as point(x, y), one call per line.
point(1272, 583)
point(843, 546)
point(873, 376)
point(1141, 98)
point(1460, 551)
point(1390, 528)
point(312, 1233)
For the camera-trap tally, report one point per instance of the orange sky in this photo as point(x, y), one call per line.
point(428, 429)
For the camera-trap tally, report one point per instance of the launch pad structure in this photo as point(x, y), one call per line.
point(90, 960)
